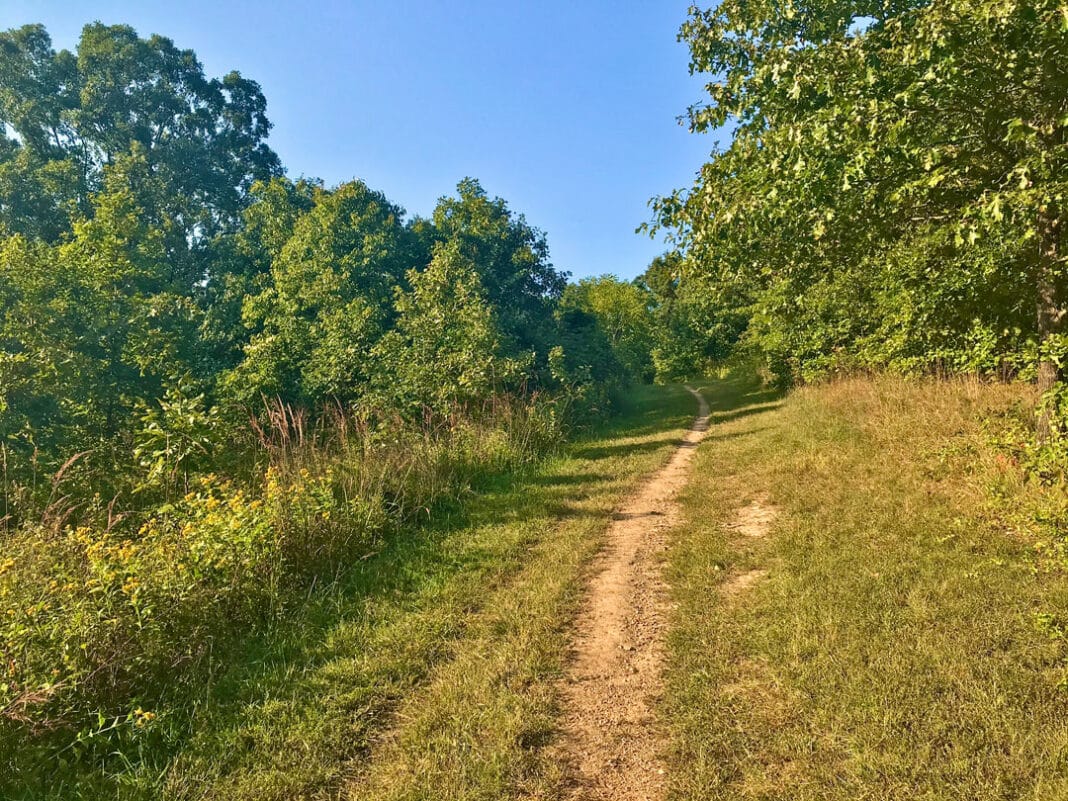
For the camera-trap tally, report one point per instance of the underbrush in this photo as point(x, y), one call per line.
point(111, 621)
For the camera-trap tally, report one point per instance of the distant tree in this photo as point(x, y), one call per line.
point(623, 312)
point(696, 323)
point(199, 143)
point(583, 361)
point(661, 280)
point(447, 348)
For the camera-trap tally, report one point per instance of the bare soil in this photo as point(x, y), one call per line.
point(740, 582)
point(754, 520)
point(611, 741)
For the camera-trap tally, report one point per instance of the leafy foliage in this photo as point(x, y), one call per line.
point(74, 115)
point(447, 349)
point(326, 300)
point(893, 188)
point(178, 437)
point(172, 311)
point(623, 313)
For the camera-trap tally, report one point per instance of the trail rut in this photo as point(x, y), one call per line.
point(610, 737)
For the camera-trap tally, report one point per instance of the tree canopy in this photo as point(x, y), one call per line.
point(155, 263)
point(892, 191)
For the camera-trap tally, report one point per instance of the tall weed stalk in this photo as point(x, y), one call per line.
point(110, 622)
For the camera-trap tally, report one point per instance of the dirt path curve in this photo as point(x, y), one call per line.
point(610, 737)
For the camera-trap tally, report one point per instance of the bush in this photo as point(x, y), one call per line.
point(103, 620)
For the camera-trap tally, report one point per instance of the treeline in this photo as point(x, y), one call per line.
point(892, 192)
point(219, 386)
point(155, 263)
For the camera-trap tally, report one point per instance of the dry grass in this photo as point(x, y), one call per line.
point(890, 648)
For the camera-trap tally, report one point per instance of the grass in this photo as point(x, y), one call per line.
point(115, 629)
point(881, 639)
point(427, 670)
point(888, 645)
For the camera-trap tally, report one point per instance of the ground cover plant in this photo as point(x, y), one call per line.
point(295, 707)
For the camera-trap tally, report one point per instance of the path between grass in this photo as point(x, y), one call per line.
point(432, 670)
point(610, 737)
point(488, 723)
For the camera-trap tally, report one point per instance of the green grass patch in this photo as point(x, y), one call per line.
point(888, 644)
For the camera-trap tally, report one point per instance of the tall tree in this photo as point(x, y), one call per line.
point(327, 300)
point(512, 259)
point(69, 117)
point(875, 148)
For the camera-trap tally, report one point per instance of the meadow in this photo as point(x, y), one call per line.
point(869, 598)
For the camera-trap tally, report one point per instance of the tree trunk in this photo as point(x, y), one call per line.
point(1050, 309)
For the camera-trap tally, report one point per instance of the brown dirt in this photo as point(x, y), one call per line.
point(610, 739)
point(754, 520)
point(740, 582)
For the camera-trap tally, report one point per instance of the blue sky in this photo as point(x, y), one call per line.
point(565, 109)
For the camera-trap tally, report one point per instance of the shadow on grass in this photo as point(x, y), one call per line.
point(578, 479)
point(745, 411)
point(736, 397)
point(370, 604)
point(714, 437)
point(623, 449)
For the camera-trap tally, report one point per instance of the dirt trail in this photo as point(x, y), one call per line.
point(610, 736)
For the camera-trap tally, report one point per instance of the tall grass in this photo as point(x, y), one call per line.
point(109, 621)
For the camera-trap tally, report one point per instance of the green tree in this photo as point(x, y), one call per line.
point(875, 149)
point(623, 312)
point(239, 267)
point(89, 327)
point(447, 349)
point(697, 322)
point(512, 259)
point(326, 302)
point(202, 141)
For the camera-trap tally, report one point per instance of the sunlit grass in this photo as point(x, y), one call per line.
point(891, 650)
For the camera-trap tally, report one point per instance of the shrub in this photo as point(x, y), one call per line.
point(103, 620)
